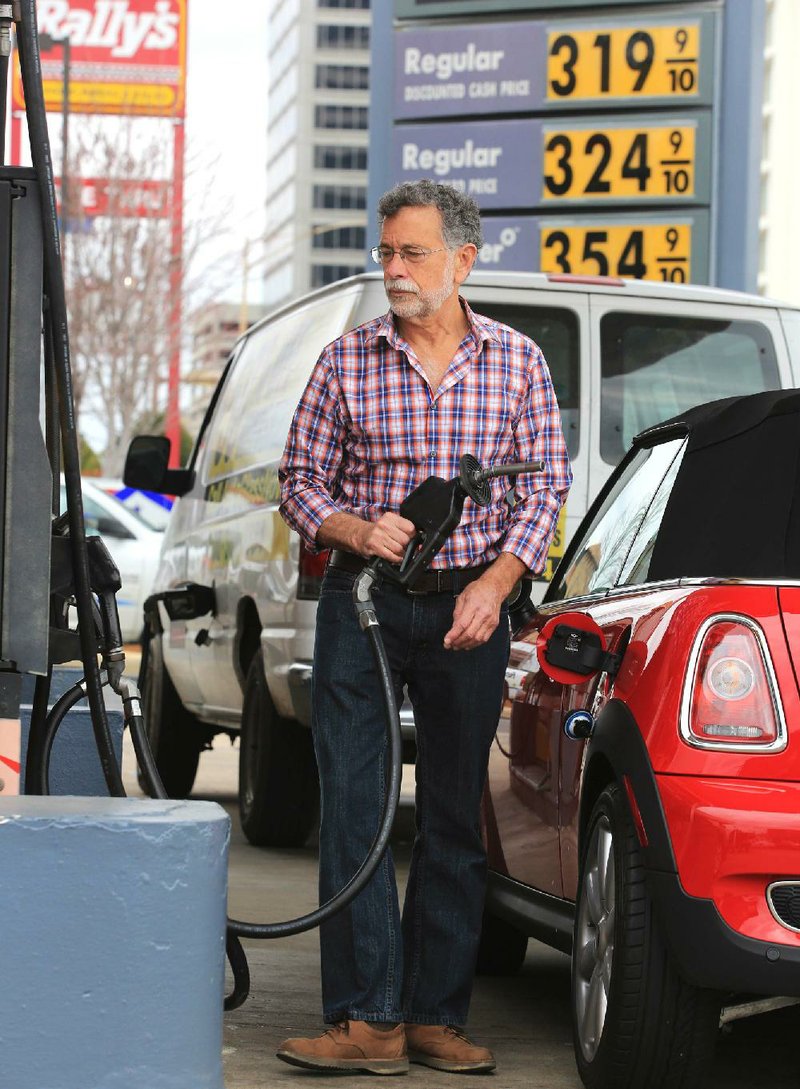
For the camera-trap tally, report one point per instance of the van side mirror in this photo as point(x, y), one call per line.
point(146, 467)
point(571, 648)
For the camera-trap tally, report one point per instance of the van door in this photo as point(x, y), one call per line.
point(652, 358)
point(558, 321)
point(240, 544)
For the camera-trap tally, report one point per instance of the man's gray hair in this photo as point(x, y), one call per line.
point(461, 217)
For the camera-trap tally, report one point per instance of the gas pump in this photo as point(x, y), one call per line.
point(47, 563)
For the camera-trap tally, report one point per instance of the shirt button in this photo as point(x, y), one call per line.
point(432, 455)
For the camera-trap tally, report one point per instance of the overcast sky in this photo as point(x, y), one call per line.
point(226, 120)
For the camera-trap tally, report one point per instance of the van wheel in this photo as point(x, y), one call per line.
point(278, 782)
point(502, 947)
point(637, 1023)
point(176, 737)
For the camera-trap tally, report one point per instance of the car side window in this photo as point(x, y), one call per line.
point(555, 329)
point(602, 552)
point(254, 409)
point(655, 366)
point(636, 568)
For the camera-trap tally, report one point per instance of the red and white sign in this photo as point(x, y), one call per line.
point(126, 56)
point(10, 744)
point(121, 197)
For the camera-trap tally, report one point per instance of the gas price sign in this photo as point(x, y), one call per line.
point(606, 62)
point(649, 158)
point(543, 67)
point(670, 249)
point(589, 139)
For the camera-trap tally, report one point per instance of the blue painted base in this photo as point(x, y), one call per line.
point(74, 764)
point(112, 922)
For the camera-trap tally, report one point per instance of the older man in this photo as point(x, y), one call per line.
point(387, 405)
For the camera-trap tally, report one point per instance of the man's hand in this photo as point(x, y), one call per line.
point(387, 538)
point(477, 611)
point(476, 615)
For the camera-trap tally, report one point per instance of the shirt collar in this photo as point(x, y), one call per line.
point(482, 328)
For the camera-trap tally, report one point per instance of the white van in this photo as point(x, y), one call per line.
point(623, 355)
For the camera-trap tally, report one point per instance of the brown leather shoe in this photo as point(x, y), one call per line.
point(446, 1048)
point(351, 1046)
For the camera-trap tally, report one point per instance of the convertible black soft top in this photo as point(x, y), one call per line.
point(734, 510)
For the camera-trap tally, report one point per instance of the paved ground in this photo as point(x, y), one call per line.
point(525, 1019)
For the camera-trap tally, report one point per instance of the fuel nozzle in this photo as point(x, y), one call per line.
point(473, 478)
point(435, 508)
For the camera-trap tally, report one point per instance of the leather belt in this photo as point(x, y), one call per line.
point(450, 581)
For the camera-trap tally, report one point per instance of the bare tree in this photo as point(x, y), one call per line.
point(119, 262)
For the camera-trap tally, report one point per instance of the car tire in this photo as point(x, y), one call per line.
point(502, 947)
point(176, 736)
point(278, 781)
point(637, 1024)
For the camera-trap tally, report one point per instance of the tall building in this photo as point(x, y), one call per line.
point(779, 223)
point(317, 139)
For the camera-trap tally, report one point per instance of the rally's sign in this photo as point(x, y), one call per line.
point(126, 56)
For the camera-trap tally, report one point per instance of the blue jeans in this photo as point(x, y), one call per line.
point(375, 966)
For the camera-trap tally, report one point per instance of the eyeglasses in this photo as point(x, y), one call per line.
point(409, 255)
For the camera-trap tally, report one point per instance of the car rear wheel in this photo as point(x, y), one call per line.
point(637, 1024)
point(176, 736)
point(278, 782)
point(502, 947)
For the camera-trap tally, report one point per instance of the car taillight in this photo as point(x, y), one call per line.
point(310, 571)
point(730, 698)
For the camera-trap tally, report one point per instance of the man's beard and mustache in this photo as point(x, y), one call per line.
point(416, 303)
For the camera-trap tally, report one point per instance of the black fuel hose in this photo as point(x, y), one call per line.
point(30, 63)
point(381, 840)
point(51, 725)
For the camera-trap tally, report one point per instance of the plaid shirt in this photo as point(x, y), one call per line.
point(369, 429)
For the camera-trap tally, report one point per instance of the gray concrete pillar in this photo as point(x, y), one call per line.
point(112, 931)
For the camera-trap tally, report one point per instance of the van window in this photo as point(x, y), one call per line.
point(654, 367)
point(555, 330)
point(261, 391)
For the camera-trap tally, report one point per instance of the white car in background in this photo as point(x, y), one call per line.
point(134, 546)
point(152, 509)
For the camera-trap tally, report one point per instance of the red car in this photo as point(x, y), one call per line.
point(642, 809)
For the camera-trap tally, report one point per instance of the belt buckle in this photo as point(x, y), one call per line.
point(432, 590)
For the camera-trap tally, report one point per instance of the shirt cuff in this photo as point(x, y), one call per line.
point(306, 515)
point(529, 537)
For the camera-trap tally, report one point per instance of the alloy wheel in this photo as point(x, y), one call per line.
point(594, 938)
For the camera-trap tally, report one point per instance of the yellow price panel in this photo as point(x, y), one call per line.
point(668, 249)
point(620, 161)
point(557, 545)
point(630, 61)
